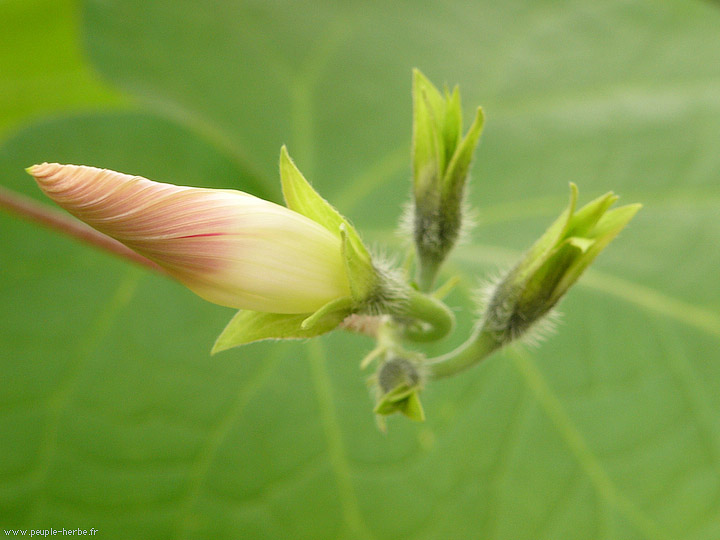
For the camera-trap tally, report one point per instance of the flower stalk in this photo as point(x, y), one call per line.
point(35, 212)
point(426, 318)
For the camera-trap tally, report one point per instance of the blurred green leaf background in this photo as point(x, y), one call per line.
point(114, 416)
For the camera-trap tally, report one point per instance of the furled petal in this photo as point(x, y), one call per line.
point(229, 247)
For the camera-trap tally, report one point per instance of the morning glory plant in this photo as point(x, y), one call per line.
point(301, 270)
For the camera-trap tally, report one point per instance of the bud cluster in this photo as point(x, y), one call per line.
point(301, 270)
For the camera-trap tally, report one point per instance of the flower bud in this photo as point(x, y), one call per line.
point(228, 247)
point(399, 384)
point(552, 265)
point(441, 161)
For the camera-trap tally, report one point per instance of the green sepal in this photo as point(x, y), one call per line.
point(584, 221)
point(428, 141)
point(452, 130)
point(459, 166)
point(303, 199)
point(389, 402)
point(606, 229)
point(441, 158)
point(537, 254)
point(412, 408)
point(398, 384)
point(361, 277)
point(339, 308)
point(403, 399)
point(574, 240)
point(250, 326)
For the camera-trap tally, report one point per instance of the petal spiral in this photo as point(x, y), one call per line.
point(228, 247)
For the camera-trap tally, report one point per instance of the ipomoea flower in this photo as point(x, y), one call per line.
point(228, 247)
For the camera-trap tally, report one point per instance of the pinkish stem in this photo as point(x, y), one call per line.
point(27, 208)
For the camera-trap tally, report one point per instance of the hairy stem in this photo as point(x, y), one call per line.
point(478, 347)
point(428, 318)
point(426, 275)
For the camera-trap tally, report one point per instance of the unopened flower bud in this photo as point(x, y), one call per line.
point(441, 162)
point(228, 247)
point(552, 265)
point(399, 383)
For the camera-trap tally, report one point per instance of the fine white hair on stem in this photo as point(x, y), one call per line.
point(532, 334)
point(392, 290)
point(470, 217)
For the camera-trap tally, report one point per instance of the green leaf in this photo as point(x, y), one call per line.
point(43, 65)
point(113, 415)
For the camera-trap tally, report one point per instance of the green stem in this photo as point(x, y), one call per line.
point(426, 274)
point(480, 345)
point(436, 319)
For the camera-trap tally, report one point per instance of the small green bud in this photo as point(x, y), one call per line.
point(441, 162)
point(552, 265)
point(399, 383)
point(396, 372)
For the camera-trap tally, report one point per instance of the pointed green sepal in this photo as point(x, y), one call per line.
point(553, 264)
point(428, 127)
point(606, 229)
point(392, 401)
point(399, 383)
point(412, 408)
point(302, 198)
point(453, 122)
point(536, 255)
point(337, 309)
point(459, 166)
point(362, 276)
point(402, 399)
point(250, 326)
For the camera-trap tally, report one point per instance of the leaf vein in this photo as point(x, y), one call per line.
point(217, 436)
point(573, 438)
point(61, 398)
point(335, 445)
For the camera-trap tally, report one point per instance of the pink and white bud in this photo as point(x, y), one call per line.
point(228, 247)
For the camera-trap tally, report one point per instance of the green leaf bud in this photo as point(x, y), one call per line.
point(399, 383)
point(441, 162)
point(552, 265)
